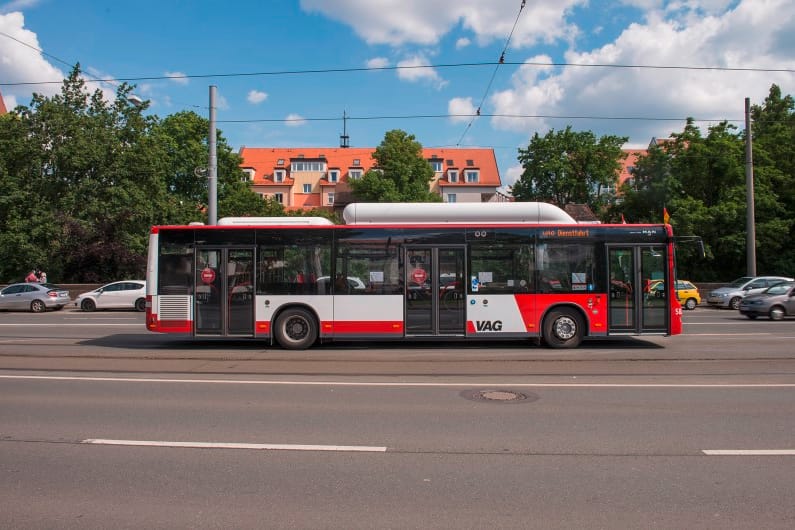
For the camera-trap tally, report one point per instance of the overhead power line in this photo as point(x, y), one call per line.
point(493, 74)
point(172, 77)
point(514, 116)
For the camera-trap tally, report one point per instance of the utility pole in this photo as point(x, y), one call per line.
point(750, 225)
point(212, 170)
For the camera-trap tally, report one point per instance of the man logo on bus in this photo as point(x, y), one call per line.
point(488, 325)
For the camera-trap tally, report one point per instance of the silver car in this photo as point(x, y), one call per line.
point(730, 295)
point(36, 297)
point(775, 302)
point(130, 294)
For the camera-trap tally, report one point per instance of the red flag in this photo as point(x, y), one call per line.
point(666, 216)
point(623, 221)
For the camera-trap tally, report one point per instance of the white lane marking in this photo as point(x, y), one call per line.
point(397, 384)
point(749, 452)
point(231, 445)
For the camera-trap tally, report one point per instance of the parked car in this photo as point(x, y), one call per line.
point(31, 296)
point(130, 294)
point(686, 292)
point(730, 295)
point(775, 302)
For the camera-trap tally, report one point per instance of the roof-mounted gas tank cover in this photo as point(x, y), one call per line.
point(459, 212)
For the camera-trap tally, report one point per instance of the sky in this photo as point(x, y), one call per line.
point(286, 71)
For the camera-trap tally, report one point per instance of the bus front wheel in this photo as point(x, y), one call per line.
point(563, 328)
point(296, 329)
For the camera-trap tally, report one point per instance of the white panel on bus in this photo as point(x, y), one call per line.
point(460, 212)
point(495, 313)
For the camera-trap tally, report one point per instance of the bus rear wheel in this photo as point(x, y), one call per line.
point(563, 328)
point(296, 329)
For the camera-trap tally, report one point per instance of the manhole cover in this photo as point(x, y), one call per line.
point(499, 396)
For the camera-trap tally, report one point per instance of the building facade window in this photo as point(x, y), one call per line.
point(307, 165)
point(278, 197)
point(355, 174)
point(357, 162)
point(249, 175)
point(307, 188)
point(451, 197)
point(452, 175)
point(436, 165)
point(278, 175)
point(333, 175)
point(330, 199)
point(472, 176)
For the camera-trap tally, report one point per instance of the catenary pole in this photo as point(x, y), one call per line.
point(212, 172)
point(750, 237)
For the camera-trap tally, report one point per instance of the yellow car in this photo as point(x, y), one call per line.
point(686, 292)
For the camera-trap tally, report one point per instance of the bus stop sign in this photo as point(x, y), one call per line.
point(419, 275)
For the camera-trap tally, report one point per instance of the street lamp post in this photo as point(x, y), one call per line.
point(212, 169)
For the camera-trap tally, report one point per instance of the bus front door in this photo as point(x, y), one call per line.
point(633, 307)
point(224, 292)
point(434, 291)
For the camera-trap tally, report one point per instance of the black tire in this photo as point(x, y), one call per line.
point(777, 313)
point(140, 304)
point(295, 329)
point(88, 305)
point(734, 303)
point(37, 306)
point(563, 328)
point(690, 304)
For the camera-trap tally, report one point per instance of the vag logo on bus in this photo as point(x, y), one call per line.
point(489, 325)
point(481, 233)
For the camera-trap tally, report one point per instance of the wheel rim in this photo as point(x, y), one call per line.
point(296, 328)
point(776, 313)
point(690, 304)
point(37, 306)
point(140, 305)
point(87, 305)
point(735, 303)
point(565, 328)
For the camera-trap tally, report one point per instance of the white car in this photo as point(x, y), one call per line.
point(130, 294)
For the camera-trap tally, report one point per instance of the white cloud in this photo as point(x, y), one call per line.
point(179, 78)
point(461, 43)
point(22, 63)
point(399, 22)
point(18, 5)
point(417, 68)
point(294, 120)
point(378, 62)
point(462, 109)
point(753, 34)
point(511, 175)
point(256, 96)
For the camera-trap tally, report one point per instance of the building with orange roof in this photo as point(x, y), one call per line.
point(317, 177)
point(3, 109)
point(628, 164)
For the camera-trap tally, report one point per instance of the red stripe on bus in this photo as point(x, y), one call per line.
point(350, 327)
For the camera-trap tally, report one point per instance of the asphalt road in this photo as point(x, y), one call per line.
point(105, 425)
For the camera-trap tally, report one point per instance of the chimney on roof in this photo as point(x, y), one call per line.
point(344, 138)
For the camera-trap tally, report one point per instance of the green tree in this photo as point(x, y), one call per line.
point(401, 173)
point(86, 182)
point(565, 167)
point(184, 138)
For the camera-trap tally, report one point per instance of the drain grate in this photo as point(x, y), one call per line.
point(499, 396)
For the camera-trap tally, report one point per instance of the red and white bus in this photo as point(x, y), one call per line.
point(412, 271)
